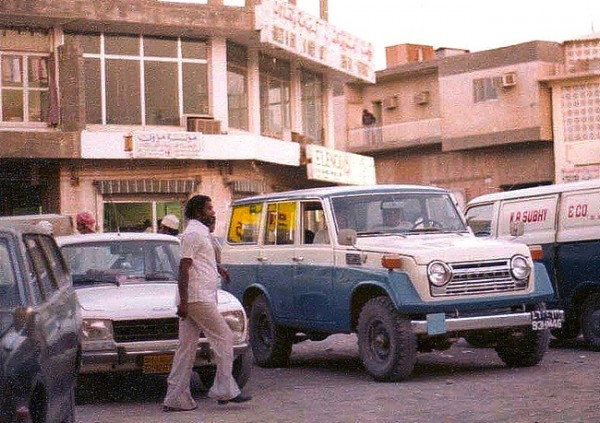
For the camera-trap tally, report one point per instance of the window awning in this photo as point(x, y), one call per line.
point(147, 186)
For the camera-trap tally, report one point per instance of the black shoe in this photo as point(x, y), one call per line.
point(238, 400)
point(168, 409)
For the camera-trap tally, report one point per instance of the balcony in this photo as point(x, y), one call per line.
point(395, 136)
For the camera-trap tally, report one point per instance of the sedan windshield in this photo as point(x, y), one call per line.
point(397, 213)
point(121, 262)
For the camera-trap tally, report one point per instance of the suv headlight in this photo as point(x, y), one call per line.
point(97, 330)
point(439, 273)
point(519, 267)
point(236, 320)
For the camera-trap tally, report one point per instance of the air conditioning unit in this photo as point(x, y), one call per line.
point(390, 102)
point(202, 123)
point(509, 79)
point(422, 97)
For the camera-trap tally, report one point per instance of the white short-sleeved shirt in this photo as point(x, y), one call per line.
point(196, 243)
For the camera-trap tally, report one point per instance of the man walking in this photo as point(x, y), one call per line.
point(197, 310)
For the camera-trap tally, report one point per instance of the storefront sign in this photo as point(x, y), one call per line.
point(166, 145)
point(288, 27)
point(326, 164)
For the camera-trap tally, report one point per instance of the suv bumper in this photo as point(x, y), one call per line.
point(130, 356)
point(438, 324)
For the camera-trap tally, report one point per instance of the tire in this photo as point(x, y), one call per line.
point(476, 340)
point(386, 343)
point(590, 321)
point(570, 330)
point(271, 343)
point(524, 347)
point(242, 369)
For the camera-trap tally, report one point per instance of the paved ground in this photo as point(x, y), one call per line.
point(326, 383)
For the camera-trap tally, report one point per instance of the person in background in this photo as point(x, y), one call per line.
point(368, 121)
point(86, 223)
point(169, 225)
point(197, 310)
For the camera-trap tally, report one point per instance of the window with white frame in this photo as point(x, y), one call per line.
point(275, 82)
point(312, 105)
point(484, 89)
point(237, 86)
point(142, 80)
point(24, 87)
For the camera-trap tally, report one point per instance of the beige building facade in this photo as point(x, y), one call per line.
point(471, 122)
point(128, 108)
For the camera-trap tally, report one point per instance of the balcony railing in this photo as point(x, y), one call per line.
point(395, 136)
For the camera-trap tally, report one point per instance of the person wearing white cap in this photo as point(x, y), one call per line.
point(169, 225)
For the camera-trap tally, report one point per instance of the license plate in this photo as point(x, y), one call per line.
point(157, 364)
point(547, 319)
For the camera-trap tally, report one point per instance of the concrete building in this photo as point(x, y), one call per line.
point(575, 87)
point(128, 107)
point(472, 122)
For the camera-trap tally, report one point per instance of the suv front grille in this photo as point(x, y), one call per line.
point(146, 330)
point(479, 278)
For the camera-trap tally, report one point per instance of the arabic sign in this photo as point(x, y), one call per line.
point(288, 27)
point(166, 145)
point(326, 164)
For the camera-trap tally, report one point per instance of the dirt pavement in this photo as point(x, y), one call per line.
point(326, 383)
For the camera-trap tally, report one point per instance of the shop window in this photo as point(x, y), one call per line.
point(132, 216)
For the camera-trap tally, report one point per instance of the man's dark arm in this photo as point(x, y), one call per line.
point(182, 284)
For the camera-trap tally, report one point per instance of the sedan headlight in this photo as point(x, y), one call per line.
point(236, 320)
point(439, 273)
point(97, 330)
point(519, 267)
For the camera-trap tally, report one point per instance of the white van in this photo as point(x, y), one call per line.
point(564, 221)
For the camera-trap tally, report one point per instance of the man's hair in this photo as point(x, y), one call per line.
point(194, 205)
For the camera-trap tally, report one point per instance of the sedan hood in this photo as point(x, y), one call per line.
point(138, 301)
point(448, 247)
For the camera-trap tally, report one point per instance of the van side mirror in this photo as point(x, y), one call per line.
point(517, 228)
point(347, 237)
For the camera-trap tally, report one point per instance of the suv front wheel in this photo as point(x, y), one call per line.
point(271, 343)
point(386, 343)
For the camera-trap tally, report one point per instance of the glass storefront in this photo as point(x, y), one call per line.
point(142, 216)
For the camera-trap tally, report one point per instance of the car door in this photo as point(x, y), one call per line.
point(276, 256)
point(313, 267)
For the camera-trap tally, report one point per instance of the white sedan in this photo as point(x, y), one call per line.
point(126, 285)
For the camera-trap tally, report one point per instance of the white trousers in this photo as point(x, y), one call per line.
point(202, 316)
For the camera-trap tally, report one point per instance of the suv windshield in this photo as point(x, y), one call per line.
point(403, 213)
point(122, 262)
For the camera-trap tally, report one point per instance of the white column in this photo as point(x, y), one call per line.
point(328, 113)
point(253, 91)
point(218, 81)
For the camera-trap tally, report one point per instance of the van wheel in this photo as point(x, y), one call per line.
point(590, 321)
point(386, 343)
point(524, 347)
point(271, 343)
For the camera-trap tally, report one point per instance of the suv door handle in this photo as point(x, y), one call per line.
point(262, 259)
point(297, 259)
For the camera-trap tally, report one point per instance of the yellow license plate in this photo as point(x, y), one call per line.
point(157, 364)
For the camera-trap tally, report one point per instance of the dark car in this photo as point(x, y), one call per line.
point(40, 329)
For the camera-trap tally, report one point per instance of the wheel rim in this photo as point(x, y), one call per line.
point(263, 330)
point(379, 341)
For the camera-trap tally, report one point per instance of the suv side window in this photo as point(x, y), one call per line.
point(9, 294)
point(281, 223)
point(57, 264)
point(40, 265)
point(243, 227)
point(314, 228)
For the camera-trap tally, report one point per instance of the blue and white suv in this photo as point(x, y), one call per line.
point(394, 263)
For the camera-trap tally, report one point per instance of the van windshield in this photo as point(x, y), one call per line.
point(401, 212)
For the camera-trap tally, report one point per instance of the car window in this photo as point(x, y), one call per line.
point(57, 264)
point(243, 227)
point(9, 295)
point(281, 223)
point(40, 265)
point(314, 228)
point(479, 219)
point(116, 261)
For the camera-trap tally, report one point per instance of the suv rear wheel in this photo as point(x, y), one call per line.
point(271, 343)
point(590, 321)
point(386, 343)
